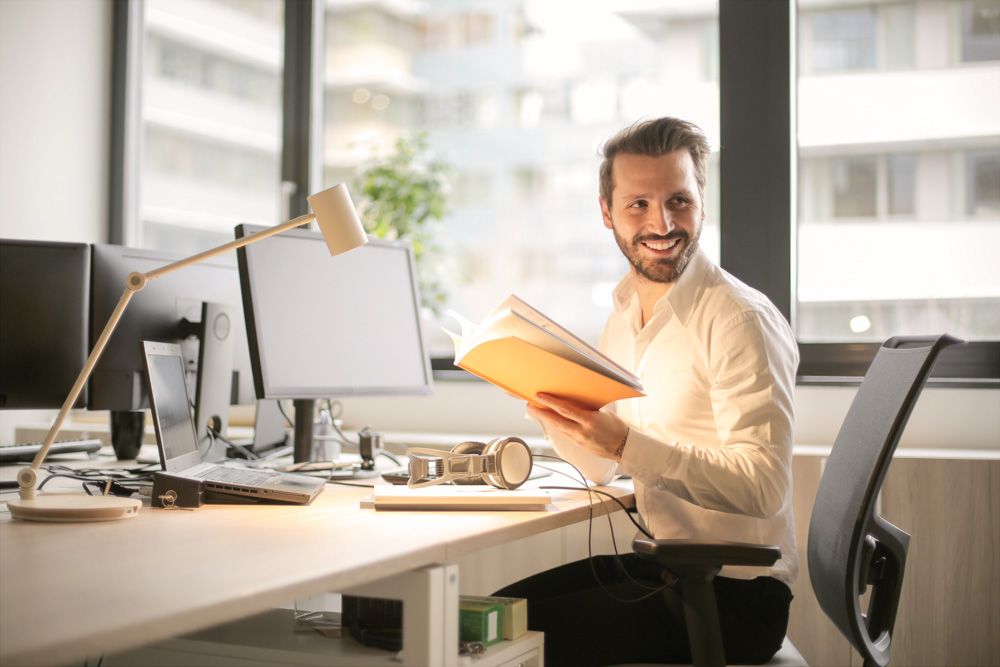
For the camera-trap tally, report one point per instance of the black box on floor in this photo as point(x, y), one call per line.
point(374, 621)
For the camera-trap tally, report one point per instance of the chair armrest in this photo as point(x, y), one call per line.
point(673, 553)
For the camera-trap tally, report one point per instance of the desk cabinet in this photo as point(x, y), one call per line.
point(270, 640)
point(430, 635)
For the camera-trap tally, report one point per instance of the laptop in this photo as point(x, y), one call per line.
point(178, 444)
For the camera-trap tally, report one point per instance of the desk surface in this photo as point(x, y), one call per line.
point(71, 591)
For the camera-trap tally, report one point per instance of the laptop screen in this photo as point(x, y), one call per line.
point(171, 407)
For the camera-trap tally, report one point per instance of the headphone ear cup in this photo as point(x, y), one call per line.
point(513, 462)
point(469, 447)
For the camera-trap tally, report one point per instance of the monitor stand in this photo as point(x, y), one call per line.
point(268, 426)
point(214, 389)
point(302, 444)
point(302, 440)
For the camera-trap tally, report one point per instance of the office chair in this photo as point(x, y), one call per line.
point(850, 547)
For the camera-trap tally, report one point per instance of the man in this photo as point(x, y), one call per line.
point(709, 447)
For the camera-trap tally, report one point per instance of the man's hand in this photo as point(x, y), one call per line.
point(598, 432)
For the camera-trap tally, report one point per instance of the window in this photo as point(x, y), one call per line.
point(861, 167)
point(531, 91)
point(209, 140)
point(980, 31)
point(901, 183)
point(982, 178)
point(851, 187)
point(844, 39)
point(897, 207)
point(878, 36)
point(855, 187)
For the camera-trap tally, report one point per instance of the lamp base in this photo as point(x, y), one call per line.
point(73, 508)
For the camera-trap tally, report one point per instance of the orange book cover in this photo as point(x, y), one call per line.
point(523, 352)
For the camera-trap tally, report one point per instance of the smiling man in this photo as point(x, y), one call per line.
point(709, 446)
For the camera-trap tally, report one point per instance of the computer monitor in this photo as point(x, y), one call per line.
point(197, 307)
point(323, 327)
point(44, 316)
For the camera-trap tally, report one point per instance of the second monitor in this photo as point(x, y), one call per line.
point(323, 327)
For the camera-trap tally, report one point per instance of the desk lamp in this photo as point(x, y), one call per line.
point(342, 230)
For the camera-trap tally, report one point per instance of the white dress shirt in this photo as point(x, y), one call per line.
point(710, 444)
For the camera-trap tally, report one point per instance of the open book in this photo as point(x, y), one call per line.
point(523, 352)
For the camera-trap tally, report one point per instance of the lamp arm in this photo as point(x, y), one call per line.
point(232, 245)
point(27, 478)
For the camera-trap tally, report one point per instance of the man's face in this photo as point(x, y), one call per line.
point(656, 213)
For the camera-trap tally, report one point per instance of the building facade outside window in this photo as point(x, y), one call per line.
point(519, 96)
point(211, 87)
point(898, 219)
point(898, 115)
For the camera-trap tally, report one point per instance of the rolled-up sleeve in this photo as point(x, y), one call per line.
point(730, 452)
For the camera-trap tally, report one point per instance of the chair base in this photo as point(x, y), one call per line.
point(788, 656)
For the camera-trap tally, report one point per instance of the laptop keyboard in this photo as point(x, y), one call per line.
point(236, 475)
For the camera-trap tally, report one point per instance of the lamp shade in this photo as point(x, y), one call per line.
point(338, 219)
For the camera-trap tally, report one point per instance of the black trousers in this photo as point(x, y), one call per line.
point(617, 621)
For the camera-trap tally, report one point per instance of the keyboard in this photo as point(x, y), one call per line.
point(236, 475)
point(27, 452)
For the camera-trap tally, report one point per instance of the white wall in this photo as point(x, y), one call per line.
point(55, 82)
point(942, 418)
point(55, 91)
point(54, 134)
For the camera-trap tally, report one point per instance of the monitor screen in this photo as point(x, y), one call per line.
point(168, 309)
point(44, 311)
point(322, 326)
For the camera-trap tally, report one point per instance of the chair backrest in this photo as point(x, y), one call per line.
point(850, 547)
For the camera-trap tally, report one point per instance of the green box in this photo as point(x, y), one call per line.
point(515, 613)
point(480, 621)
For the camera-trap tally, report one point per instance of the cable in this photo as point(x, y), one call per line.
point(335, 415)
point(382, 452)
point(336, 427)
point(590, 528)
point(240, 448)
point(609, 495)
point(92, 479)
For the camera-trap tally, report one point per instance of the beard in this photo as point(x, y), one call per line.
point(659, 270)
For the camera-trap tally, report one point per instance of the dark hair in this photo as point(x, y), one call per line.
point(654, 138)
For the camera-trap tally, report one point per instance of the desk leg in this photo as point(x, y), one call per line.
point(430, 613)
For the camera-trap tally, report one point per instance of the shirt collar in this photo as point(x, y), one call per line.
point(681, 298)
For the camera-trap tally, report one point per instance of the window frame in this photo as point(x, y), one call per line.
point(757, 81)
point(757, 52)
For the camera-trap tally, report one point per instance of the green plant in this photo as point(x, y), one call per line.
point(403, 194)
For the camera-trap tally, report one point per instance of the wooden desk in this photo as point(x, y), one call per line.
point(72, 591)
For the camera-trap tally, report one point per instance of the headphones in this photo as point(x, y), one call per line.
point(504, 463)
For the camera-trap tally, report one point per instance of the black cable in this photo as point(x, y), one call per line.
point(349, 482)
point(240, 448)
point(281, 409)
point(609, 495)
point(389, 456)
point(114, 480)
point(590, 527)
point(335, 415)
